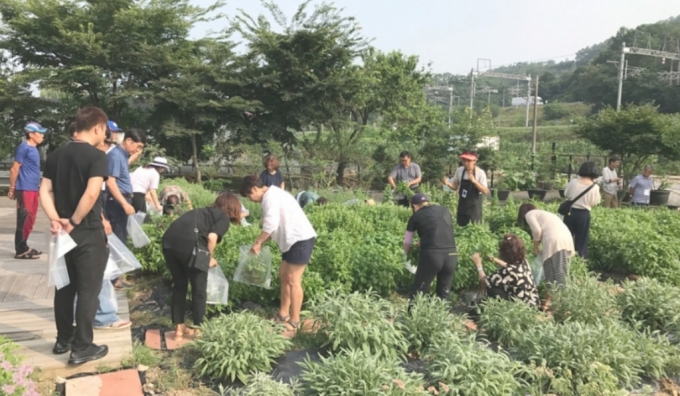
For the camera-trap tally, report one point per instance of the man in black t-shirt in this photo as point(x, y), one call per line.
point(438, 256)
point(69, 194)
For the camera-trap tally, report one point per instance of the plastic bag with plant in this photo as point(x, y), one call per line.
point(253, 269)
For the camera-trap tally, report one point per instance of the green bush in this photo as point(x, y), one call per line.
point(426, 317)
point(357, 321)
point(651, 304)
point(462, 366)
point(506, 321)
point(261, 384)
point(14, 376)
point(357, 372)
point(585, 300)
point(238, 346)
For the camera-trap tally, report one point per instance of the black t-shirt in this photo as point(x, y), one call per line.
point(70, 167)
point(271, 180)
point(434, 225)
point(180, 235)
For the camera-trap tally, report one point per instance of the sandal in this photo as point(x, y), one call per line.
point(117, 325)
point(281, 319)
point(35, 252)
point(294, 325)
point(27, 256)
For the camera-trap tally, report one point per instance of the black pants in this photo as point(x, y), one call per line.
point(464, 218)
point(435, 263)
point(177, 263)
point(497, 292)
point(139, 202)
point(85, 264)
point(118, 218)
point(578, 222)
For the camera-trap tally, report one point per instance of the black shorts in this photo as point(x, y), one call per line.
point(299, 253)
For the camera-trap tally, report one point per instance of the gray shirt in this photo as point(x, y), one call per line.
point(642, 188)
point(402, 174)
point(608, 185)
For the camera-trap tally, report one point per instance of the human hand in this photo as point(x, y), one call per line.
point(55, 227)
point(213, 262)
point(129, 209)
point(107, 227)
point(477, 259)
point(66, 225)
point(11, 195)
point(536, 251)
point(159, 208)
point(255, 249)
point(418, 244)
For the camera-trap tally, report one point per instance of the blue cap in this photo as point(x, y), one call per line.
point(34, 127)
point(419, 198)
point(113, 126)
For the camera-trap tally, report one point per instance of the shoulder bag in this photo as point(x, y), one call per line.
point(200, 257)
point(565, 207)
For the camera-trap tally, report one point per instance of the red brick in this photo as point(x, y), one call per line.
point(153, 339)
point(170, 342)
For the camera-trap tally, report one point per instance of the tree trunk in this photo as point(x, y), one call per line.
point(340, 173)
point(194, 158)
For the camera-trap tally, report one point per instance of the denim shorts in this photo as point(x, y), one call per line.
point(299, 253)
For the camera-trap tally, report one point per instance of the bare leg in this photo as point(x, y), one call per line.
point(284, 309)
point(293, 278)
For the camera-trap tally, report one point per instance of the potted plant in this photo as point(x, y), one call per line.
point(560, 184)
point(660, 195)
point(502, 191)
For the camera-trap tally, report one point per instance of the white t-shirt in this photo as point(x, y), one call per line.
point(284, 219)
point(608, 186)
point(479, 175)
point(144, 179)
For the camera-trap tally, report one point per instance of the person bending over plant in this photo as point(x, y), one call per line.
point(284, 221)
point(438, 256)
point(188, 246)
point(513, 280)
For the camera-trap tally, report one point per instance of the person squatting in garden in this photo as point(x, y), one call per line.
point(284, 221)
point(171, 197)
point(406, 172)
point(69, 195)
point(271, 175)
point(24, 183)
point(578, 218)
point(513, 280)
point(438, 255)
point(611, 183)
point(145, 181)
point(641, 187)
point(198, 229)
point(305, 198)
point(553, 244)
point(470, 182)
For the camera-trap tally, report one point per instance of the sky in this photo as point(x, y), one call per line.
point(452, 34)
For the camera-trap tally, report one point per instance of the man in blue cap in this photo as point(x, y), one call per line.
point(24, 184)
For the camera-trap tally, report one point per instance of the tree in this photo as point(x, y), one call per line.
point(634, 134)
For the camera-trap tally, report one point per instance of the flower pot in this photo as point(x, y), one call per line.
point(561, 193)
point(502, 194)
point(659, 197)
point(540, 194)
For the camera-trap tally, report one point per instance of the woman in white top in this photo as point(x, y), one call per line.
point(578, 219)
point(283, 221)
point(145, 181)
point(553, 243)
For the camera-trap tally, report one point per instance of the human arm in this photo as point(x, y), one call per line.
point(112, 186)
point(633, 184)
point(13, 176)
point(271, 219)
point(536, 229)
point(154, 200)
point(86, 203)
point(408, 240)
point(477, 260)
point(479, 183)
point(187, 201)
point(418, 176)
point(498, 261)
point(390, 180)
point(46, 194)
point(212, 242)
point(155, 180)
point(107, 226)
point(134, 157)
point(415, 181)
point(257, 245)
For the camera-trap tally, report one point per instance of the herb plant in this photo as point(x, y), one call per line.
point(651, 304)
point(261, 384)
point(585, 300)
point(238, 345)
point(506, 321)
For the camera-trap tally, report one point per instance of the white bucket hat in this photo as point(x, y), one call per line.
point(160, 162)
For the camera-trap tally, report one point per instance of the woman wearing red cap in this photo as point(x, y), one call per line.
point(470, 182)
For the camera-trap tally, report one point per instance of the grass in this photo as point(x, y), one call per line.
point(141, 354)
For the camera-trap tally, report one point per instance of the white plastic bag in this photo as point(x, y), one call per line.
point(151, 209)
point(134, 228)
point(112, 271)
point(254, 270)
point(537, 270)
point(60, 244)
point(407, 264)
point(122, 256)
point(218, 287)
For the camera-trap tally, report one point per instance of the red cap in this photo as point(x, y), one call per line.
point(468, 156)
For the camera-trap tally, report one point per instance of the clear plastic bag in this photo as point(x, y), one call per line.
point(254, 270)
point(151, 209)
point(407, 264)
point(537, 270)
point(134, 228)
point(122, 256)
point(112, 271)
point(218, 287)
point(60, 244)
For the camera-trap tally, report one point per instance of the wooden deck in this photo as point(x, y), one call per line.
point(26, 307)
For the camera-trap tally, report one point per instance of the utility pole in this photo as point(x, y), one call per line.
point(450, 105)
point(526, 119)
point(621, 67)
point(533, 130)
point(472, 92)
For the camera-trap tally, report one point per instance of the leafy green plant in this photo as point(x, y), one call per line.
point(357, 321)
point(424, 318)
point(403, 188)
point(505, 321)
point(463, 366)
point(585, 300)
point(14, 376)
point(358, 372)
point(239, 345)
point(261, 384)
point(651, 304)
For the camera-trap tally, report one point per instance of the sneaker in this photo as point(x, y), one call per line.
point(61, 348)
point(117, 325)
point(94, 352)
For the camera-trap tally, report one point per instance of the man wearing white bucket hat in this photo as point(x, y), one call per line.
point(145, 181)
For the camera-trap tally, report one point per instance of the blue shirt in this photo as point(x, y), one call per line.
point(29, 173)
point(118, 168)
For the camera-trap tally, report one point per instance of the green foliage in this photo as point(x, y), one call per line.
point(555, 111)
point(585, 300)
point(238, 346)
point(358, 321)
point(506, 321)
point(651, 304)
point(261, 384)
point(463, 366)
point(358, 372)
point(14, 375)
point(424, 318)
